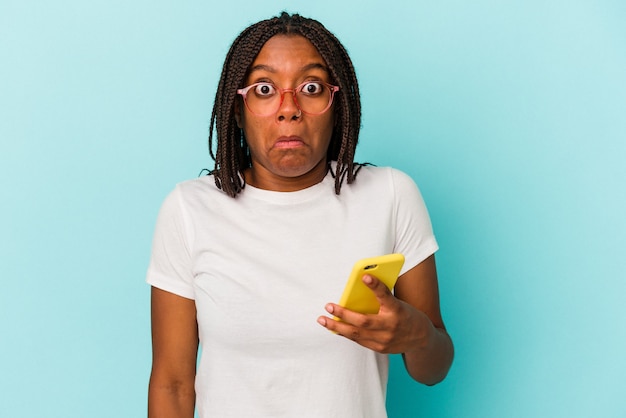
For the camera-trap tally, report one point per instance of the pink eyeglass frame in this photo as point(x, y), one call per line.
point(333, 89)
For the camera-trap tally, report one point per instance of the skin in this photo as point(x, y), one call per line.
point(409, 323)
point(288, 149)
point(288, 152)
point(174, 351)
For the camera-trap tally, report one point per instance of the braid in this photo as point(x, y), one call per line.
point(232, 155)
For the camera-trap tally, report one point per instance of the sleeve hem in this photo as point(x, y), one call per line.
point(163, 283)
point(428, 248)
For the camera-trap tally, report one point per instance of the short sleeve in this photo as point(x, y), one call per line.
point(170, 262)
point(414, 233)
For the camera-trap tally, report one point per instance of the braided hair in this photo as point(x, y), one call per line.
point(232, 156)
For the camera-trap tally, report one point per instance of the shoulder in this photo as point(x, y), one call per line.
point(390, 184)
point(392, 178)
point(200, 185)
point(195, 194)
point(201, 188)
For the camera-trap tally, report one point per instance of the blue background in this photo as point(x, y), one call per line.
point(509, 115)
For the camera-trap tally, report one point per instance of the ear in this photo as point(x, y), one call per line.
point(238, 114)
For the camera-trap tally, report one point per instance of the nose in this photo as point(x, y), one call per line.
point(288, 109)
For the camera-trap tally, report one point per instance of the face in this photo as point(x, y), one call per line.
point(288, 148)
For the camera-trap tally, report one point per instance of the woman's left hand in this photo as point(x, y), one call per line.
point(398, 327)
point(408, 322)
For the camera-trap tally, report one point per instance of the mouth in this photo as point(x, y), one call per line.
point(289, 142)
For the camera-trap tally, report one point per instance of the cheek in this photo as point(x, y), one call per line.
point(254, 131)
point(254, 128)
point(329, 128)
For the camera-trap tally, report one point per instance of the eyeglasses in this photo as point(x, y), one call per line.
point(311, 97)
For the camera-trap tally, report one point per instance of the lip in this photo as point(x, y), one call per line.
point(289, 142)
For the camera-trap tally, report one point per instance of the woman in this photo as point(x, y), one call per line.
point(245, 259)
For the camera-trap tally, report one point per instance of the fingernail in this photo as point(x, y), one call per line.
point(367, 279)
point(321, 321)
point(329, 308)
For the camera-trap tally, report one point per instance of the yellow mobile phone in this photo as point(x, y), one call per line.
point(356, 295)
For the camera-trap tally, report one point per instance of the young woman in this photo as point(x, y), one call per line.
point(246, 260)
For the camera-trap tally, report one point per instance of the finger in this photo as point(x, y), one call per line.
point(341, 328)
point(361, 336)
point(380, 289)
point(343, 315)
point(332, 324)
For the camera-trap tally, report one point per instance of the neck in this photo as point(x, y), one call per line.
point(261, 178)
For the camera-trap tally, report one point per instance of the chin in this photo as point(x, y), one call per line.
point(293, 171)
point(295, 167)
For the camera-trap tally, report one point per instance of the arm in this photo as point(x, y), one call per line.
point(174, 351)
point(409, 323)
point(431, 357)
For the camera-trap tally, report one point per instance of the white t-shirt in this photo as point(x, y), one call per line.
point(261, 267)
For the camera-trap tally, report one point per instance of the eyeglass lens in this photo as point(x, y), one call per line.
point(265, 99)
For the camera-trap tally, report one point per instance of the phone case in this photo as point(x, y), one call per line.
point(356, 295)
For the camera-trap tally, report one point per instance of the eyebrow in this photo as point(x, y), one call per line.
point(314, 65)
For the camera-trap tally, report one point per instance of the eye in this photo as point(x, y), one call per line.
point(264, 90)
point(312, 88)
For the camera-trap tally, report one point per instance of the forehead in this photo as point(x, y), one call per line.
point(287, 53)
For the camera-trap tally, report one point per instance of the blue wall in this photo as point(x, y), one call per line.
point(509, 115)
